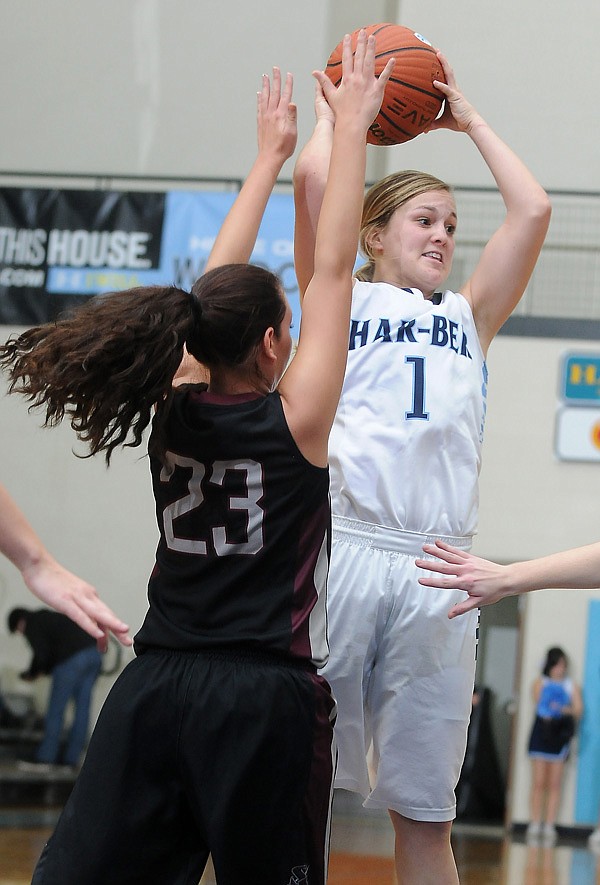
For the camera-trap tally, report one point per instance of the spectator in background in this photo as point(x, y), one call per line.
point(558, 707)
point(70, 656)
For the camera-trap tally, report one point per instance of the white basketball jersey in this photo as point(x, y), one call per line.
point(405, 448)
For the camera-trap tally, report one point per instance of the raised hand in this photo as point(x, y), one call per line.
point(360, 93)
point(458, 113)
point(322, 109)
point(277, 135)
point(276, 116)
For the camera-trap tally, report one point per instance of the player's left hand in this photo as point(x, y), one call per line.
point(458, 113)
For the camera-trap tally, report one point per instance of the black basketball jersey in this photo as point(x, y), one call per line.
point(244, 523)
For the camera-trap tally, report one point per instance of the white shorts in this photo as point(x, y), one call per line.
point(402, 673)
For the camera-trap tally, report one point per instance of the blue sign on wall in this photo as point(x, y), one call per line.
point(581, 379)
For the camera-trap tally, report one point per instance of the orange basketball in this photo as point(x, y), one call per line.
point(410, 101)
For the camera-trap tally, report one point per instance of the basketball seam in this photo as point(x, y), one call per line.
point(389, 52)
point(437, 95)
point(405, 49)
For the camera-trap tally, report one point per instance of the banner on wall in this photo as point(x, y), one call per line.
point(60, 247)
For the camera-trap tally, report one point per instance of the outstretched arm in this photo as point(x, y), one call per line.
point(487, 582)
point(310, 178)
point(277, 135)
point(310, 389)
point(506, 264)
point(50, 581)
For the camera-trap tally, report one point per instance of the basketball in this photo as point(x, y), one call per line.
point(410, 102)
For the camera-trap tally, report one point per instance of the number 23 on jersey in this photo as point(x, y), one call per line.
point(199, 477)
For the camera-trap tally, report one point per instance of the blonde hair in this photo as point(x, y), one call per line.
point(382, 200)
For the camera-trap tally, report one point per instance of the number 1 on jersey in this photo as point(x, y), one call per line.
point(418, 403)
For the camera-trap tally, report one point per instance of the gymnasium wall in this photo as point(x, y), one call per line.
point(167, 87)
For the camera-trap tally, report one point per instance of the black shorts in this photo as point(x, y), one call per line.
point(220, 753)
point(551, 738)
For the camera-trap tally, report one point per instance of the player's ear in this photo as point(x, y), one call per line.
point(267, 344)
point(373, 241)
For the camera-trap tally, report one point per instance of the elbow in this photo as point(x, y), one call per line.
point(299, 174)
point(304, 167)
point(533, 215)
point(541, 208)
point(312, 165)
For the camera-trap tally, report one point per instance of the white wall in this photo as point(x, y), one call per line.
point(144, 86)
point(166, 87)
point(154, 87)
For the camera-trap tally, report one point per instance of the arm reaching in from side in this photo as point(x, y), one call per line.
point(487, 582)
point(51, 582)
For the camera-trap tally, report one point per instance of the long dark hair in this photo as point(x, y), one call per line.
point(114, 359)
point(553, 657)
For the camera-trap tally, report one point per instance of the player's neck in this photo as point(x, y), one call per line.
point(228, 382)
